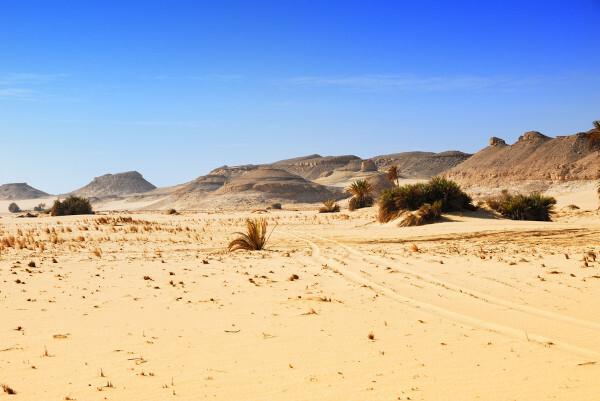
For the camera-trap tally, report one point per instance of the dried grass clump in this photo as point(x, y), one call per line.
point(329, 206)
point(361, 191)
point(534, 206)
point(73, 205)
point(8, 390)
point(395, 201)
point(254, 239)
point(426, 214)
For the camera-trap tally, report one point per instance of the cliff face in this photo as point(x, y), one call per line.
point(534, 157)
point(314, 166)
point(120, 184)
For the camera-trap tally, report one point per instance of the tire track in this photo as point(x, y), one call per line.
point(444, 312)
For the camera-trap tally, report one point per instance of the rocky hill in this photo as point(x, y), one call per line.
point(16, 191)
point(534, 157)
point(249, 186)
point(421, 164)
point(120, 184)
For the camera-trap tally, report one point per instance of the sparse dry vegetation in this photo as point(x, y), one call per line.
point(329, 206)
point(254, 239)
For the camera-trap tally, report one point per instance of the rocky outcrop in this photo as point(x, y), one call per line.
point(368, 165)
point(495, 141)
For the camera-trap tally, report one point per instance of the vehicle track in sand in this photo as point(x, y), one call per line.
point(544, 320)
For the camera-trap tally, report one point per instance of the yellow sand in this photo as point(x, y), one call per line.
point(473, 308)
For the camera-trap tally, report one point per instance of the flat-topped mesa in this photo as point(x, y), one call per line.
point(130, 182)
point(495, 141)
point(20, 190)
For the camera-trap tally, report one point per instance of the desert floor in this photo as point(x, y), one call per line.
point(152, 307)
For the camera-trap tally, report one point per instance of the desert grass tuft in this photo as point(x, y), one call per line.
point(254, 239)
point(329, 206)
point(8, 390)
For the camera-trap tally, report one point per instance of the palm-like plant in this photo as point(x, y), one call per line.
point(254, 239)
point(361, 191)
point(392, 175)
point(597, 124)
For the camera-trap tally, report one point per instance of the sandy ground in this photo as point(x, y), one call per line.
point(152, 307)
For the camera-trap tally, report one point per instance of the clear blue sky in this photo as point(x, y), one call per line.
point(176, 88)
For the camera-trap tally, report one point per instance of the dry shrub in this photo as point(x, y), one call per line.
point(14, 208)
point(73, 205)
point(254, 239)
point(329, 206)
point(424, 215)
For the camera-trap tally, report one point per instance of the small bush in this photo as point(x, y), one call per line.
point(254, 239)
point(409, 197)
point(14, 208)
point(276, 206)
point(361, 191)
point(329, 206)
point(424, 215)
point(39, 208)
point(172, 211)
point(534, 206)
point(73, 205)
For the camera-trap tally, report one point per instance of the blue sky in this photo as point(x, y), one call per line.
point(176, 88)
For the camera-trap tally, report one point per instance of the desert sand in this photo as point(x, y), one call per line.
point(145, 306)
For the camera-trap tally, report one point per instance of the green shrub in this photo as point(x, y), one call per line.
point(71, 206)
point(534, 206)
point(14, 208)
point(409, 197)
